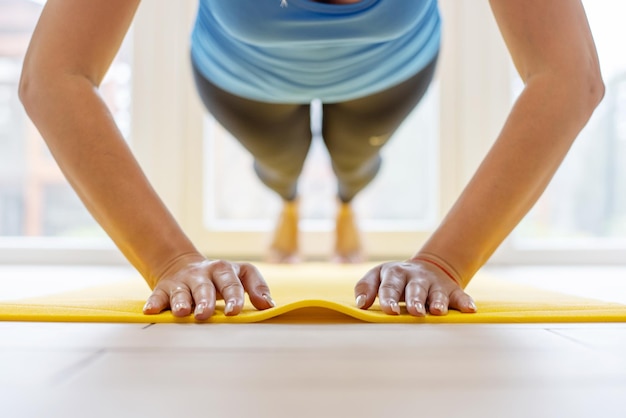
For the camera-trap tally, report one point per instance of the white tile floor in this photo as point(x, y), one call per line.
point(349, 370)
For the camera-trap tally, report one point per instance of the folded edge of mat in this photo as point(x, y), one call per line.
point(489, 312)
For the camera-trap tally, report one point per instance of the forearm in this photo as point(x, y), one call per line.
point(538, 133)
point(96, 160)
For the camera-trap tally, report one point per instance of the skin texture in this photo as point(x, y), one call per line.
point(74, 44)
point(554, 53)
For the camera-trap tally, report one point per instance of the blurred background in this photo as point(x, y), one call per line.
point(211, 187)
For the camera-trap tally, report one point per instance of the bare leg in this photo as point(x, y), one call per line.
point(348, 248)
point(284, 245)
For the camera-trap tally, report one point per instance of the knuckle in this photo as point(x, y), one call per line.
point(393, 282)
point(438, 294)
point(362, 288)
point(231, 286)
point(459, 295)
point(220, 265)
point(416, 286)
point(365, 288)
point(390, 290)
point(177, 290)
point(203, 287)
point(390, 286)
point(262, 288)
point(396, 269)
point(158, 293)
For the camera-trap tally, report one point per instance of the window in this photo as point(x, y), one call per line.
point(583, 210)
point(408, 178)
point(424, 170)
point(174, 141)
point(35, 199)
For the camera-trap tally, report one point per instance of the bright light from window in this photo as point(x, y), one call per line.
point(585, 202)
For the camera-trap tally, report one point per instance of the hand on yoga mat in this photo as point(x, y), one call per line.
point(424, 286)
point(196, 281)
point(365, 93)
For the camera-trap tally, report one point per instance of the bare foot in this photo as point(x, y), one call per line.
point(284, 246)
point(347, 237)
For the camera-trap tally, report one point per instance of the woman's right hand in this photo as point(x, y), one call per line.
point(194, 283)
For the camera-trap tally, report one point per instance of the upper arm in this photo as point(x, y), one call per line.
point(79, 37)
point(548, 36)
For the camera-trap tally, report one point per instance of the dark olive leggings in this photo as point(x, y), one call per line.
point(279, 135)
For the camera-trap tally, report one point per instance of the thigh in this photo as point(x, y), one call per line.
point(362, 125)
point(267, 130)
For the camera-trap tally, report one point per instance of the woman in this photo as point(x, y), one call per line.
point(257, 65)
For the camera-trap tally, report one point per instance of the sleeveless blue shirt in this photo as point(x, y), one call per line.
point(309, 50)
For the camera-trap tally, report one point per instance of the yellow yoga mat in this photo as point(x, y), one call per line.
point(315, 293)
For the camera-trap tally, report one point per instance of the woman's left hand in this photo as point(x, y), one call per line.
point(424, 287)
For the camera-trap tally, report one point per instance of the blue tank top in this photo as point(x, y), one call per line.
point(309, 50)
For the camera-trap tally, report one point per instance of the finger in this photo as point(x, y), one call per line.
point(156, 302)
point(227, 282)
point(180, 300)
point(366, 289)
point(438, 302)
point(461, 301)
point(255, 285)
point(393, 282)
point(415, 297)
point(204, 297)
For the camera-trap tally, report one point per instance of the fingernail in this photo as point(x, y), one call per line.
point(199, 309)
point(472, 305)
point(438, 307)
point(394, 307)
point(417, 305)
point(230, 306)
point(360, 301)
point(147, 306)
point(179, 307)
point(269, 300)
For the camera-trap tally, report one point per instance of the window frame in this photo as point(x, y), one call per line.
point(474, 74)
point(471, 44)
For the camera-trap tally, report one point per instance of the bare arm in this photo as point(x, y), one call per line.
point(553, 50)
point(554, 53)
point(70, 51)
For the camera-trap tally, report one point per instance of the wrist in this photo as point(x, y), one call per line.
point(441, 265)
point(168, 265)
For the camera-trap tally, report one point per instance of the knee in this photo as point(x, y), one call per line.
point(353, 169)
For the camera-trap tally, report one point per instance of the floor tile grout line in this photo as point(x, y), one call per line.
point(572, 339)
point(65, 374)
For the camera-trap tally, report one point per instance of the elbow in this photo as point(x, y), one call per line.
point(23, 89)
point(39, 93)
point(36, 87)
point(590, 91)
point(28, 90)
point(576, 89)
point(40, 89)
point(595, 90)
point(580, 92)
